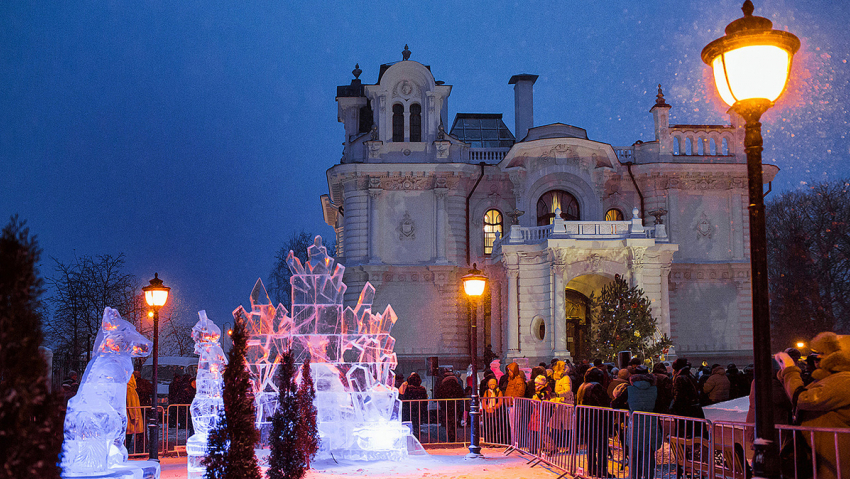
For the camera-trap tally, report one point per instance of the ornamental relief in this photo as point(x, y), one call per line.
point(701, 182)
point(405, 89)
point(406, 228)
point(406, 182)
point(704, 228)
point(711, 273)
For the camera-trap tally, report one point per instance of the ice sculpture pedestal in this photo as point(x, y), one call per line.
point(126, 470)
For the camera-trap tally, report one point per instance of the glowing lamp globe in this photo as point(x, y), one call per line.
point(752, 61)
point(156, 294)
point(474, 282)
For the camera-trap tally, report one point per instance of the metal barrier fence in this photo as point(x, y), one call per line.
point(590, 442)
point(137, 444)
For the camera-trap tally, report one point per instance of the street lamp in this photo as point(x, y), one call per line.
point(473, 286)
point(155, 295)
point(751, 64)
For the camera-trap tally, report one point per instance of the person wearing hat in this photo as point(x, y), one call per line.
point(593, 393)
point(825, 402)
point(645, 433)
point(538, 424)
point(685, 398)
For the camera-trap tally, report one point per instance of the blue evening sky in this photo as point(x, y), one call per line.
point(194, 136)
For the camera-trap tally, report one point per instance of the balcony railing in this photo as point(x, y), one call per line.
point(487, 155)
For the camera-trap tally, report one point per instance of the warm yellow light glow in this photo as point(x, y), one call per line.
point(474, 286)
point(150, 314)
point(800, 344)
point(755, 71)
point(156, 297)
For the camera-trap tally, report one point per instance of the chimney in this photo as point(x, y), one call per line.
point(523, 103)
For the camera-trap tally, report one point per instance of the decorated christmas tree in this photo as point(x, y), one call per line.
point(286, 460)
point(239, 409)
point(30, 415)
point(622, 321)
point(308, 433)
point(216, 460)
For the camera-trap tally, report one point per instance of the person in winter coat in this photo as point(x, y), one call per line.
point(717, 386)
point(664, 386)
point(562, 416)
point(826, 401)
point(538, 423)
point(529, 385)
point(416, 410)
point(563, 391)
point(495, 414)
point(595, 423)
point(685, 400)
point(514, 388)
point(135, 422)
point(645, 434)
point(448, 389)
point(622, 378)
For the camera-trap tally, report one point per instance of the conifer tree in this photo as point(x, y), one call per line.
point(622, 321)
point(30, 415)
point(308, 432)
point(216, 458)
point(239, 409)
point(286, 460)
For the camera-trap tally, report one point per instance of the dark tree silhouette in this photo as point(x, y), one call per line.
point(308, 433)
point(239, 408)
point(30, 415)
point(216, 459)
point(286, 460)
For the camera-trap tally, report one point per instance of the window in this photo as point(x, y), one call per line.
point(677, 150)
point(725, 147)
point(689, 147)
point(415, 122)
point(492, 225)
point(398, 122)
point(614, 215)
point(538, 328)
point(552, 200)
point(366, 118)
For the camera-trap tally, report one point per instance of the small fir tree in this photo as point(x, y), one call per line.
point(622, 321)
point(30, 415)
point(308, 433)
point(217, 445)
point(286, 460)
point(239, 409)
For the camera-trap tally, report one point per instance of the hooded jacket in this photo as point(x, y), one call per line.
point(135, 423)
point(516, 384)
point(826, 401)
point(717, 386)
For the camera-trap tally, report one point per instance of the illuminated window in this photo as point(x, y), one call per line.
point(492, 225)
point(415, 122)
point(552, 200)
point(398, 122)
point(614, 215)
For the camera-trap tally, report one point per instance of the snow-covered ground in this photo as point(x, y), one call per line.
point(449, 463)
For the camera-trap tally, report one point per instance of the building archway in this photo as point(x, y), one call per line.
point(577, 312)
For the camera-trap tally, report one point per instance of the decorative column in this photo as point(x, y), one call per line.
point(665, 300)
point(513, 313)
point(440, 231)
point(374, 193)
point(559, 315)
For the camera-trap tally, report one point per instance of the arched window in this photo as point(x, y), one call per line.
point(613, 215)
point(677, 147)
point(725, 147)
point(366, 117)
point(398, 122)
point(493, 224)
point(415, 122)
point(688, 147)
point(700, 146)
point(713, 147)
point(552, 200)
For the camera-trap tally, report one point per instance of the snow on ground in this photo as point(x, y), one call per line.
point(439, 463)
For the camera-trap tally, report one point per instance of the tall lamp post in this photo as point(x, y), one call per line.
point(155, 295)
point(473, 285)
point(751, 64)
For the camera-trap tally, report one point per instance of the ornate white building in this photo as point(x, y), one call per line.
point(549, 215)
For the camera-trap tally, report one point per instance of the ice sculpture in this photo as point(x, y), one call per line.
point(352, 360)
point(208, 401)
point(96, 419)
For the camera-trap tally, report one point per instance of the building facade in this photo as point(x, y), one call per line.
point(547, 213)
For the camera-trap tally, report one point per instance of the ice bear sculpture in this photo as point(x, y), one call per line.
point(208, 400)
point(96, 419)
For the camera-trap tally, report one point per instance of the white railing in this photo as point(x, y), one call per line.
point(489, 155)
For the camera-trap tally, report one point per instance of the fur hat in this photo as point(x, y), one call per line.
point(540, 381)
point(825, 343)
point(623, 374)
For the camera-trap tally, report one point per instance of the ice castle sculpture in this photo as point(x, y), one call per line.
point(208, 400)
point(96, 419)
point(352, 360)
